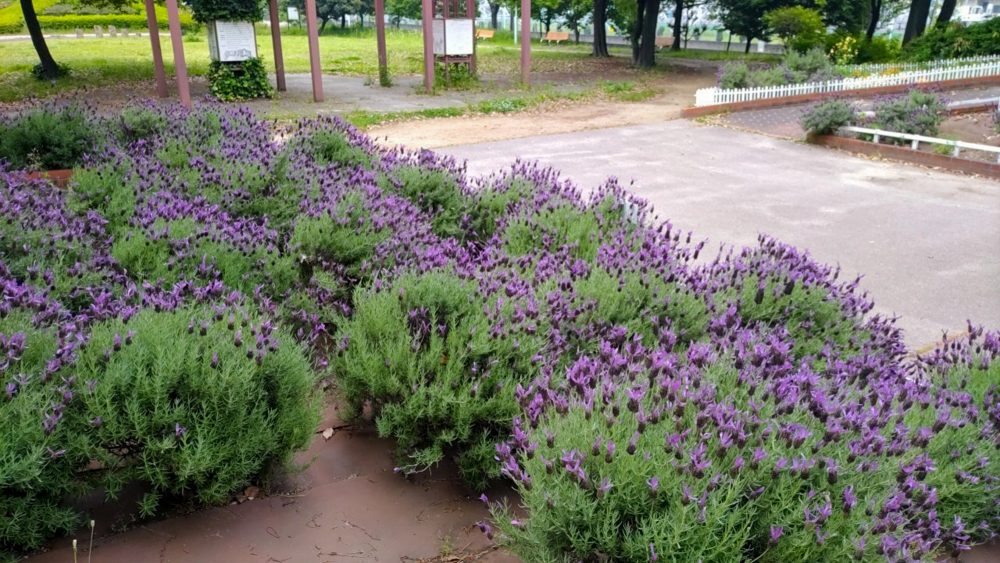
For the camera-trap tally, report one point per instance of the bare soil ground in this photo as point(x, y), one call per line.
point(676, 91)
point(347, 505)
point(973, 128)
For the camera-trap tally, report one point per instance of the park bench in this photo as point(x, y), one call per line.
point(556, 37)
point(484, 33)
point(664, 43)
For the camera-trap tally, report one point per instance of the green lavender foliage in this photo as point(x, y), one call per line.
point(443, 391)
point(826, 117)
point(157, 407)
point(573, 522)
point(47, 138)
point(435, 192)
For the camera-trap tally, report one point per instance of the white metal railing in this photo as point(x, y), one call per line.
point(915, 140)
point(713, 96)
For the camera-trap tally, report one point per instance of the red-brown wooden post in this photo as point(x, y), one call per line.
point(279, 61)
point(177, 40)
point(314, 69)
point(427, 14)
point(383, 58)
point(526, 41)
point(470, 11)
point(154, 43)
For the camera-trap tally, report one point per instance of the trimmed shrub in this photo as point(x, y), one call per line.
point(245, 80)
point(918, 113)
point(825, 118)
point(226, 10)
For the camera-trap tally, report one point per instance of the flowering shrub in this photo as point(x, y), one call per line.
point(826, 117)
point(165, 318)
point(919, 113)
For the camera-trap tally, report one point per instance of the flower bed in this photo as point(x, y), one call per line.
point(648, 401)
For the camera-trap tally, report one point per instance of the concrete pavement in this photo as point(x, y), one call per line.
point(927, 242)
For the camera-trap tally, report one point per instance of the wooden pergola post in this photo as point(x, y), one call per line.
point(526, 41)
point(279, 61)
point(383, 58)
point(183, 87)
point(154, 43)
point(427, 15)
point(314, 67)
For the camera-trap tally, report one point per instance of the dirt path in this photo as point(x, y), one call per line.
point(676, 92)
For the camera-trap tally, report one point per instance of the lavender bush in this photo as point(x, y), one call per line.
point(649, 400)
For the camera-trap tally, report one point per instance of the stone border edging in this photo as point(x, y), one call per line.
point(906, 154)
point(695, 111)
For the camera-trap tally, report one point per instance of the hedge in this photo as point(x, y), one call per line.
point(11, 20)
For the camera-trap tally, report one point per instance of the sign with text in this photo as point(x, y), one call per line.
point(231, 41)
point(293, 14)
point(453, 37)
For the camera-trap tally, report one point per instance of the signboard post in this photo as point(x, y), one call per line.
point(231, 42)
point(293, 14)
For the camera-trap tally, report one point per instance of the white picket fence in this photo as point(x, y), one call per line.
point(876, 68)
point(714, 96)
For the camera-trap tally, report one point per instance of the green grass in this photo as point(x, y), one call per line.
point(626, 91)
point(735, 54)
point(96, 62)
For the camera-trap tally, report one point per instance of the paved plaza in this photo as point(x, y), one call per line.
point(927, 242)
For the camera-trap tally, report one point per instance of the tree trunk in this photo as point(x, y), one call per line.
point(747, 48)
point(576, 33)
point(647, 47)
point(361, 20)
point(548, 23)
point(49, 67)
point(343, 21)
point(494, 14)
point(512, 20)
point(636, 36)
point(322, 24)
point(917, 21)
point(600, 28)
point(678, 14)
point(947, 10)
point(873, 18)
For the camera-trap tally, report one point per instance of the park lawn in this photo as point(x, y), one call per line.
point(97, 62)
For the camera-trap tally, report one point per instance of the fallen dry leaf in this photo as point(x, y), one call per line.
point(328, 433)
point(251, 492)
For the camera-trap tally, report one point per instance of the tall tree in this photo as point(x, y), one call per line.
point(330, 10)
point(746, 17)
point(916, 23)
point(600, 19)
point(574, 14)
point(648, 12)
point(494, 13)
point(47, 67)
point(947, 10)
point(678, 24)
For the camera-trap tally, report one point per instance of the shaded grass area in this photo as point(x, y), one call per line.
point(99, 62)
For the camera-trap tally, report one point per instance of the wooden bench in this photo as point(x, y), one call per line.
point(484, 33)
point(556, 37)
point(664, 43)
